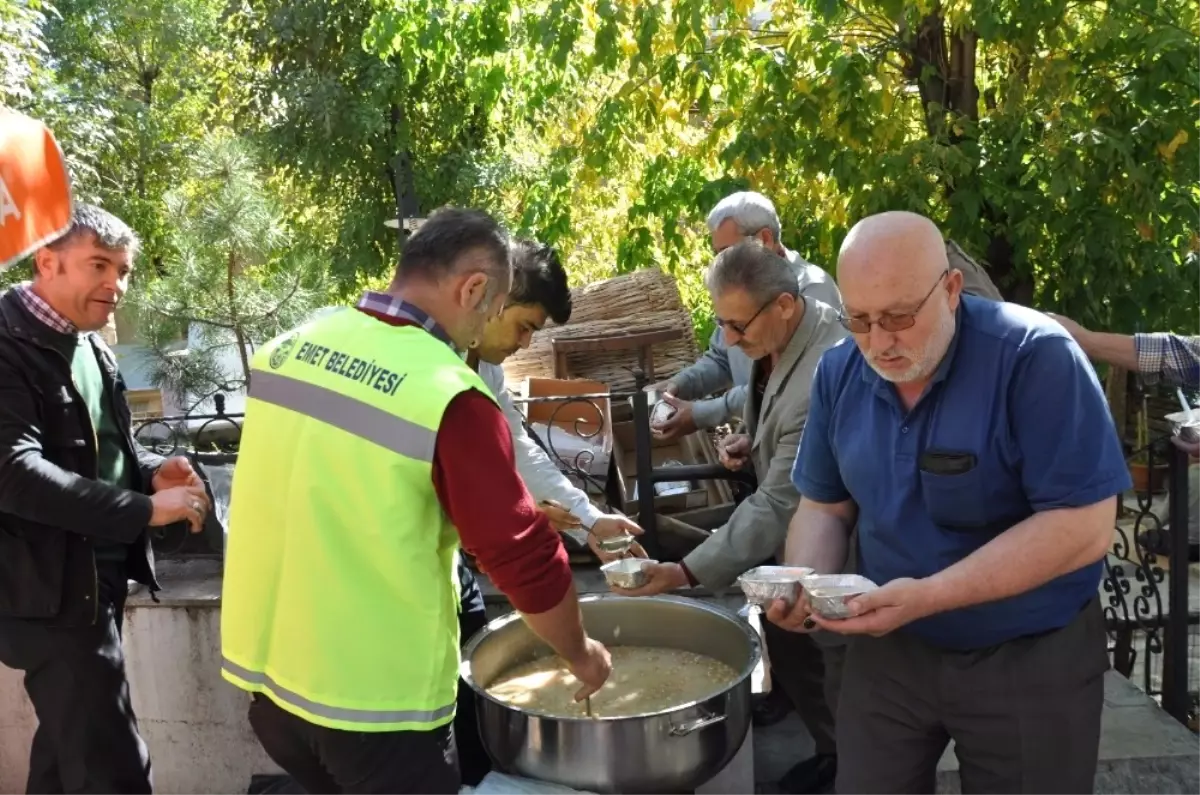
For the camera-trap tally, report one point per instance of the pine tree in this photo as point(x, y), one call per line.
point(236, 278)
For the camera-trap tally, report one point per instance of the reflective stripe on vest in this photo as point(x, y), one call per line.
point(340, 596)
point(352, 416)
point(334, 713)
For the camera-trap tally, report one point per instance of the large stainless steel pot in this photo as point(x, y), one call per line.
point(671, 751)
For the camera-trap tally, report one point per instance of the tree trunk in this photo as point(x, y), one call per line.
point(944, 73)
point(400, 173)
point(231, 268)
point(927, 66)
point(147, 78)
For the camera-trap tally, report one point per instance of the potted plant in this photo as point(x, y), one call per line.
point(1146, 480)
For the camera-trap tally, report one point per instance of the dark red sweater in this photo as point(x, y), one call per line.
point(475, 476)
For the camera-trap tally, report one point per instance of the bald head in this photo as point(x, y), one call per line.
point(897, 246)
point(890, 271)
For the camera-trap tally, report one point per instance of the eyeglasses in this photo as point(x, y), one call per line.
point(900, 322)
point(740, 328)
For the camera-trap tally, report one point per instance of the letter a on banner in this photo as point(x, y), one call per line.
point(35, 190)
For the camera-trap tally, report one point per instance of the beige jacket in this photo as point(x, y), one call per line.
point(975, 278)
point(758, 527)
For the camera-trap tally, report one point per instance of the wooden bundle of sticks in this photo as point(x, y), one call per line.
point(646, 300)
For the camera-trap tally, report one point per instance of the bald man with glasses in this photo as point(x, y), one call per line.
point(950, 438)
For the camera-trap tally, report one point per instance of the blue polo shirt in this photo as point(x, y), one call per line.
point(1013, 422)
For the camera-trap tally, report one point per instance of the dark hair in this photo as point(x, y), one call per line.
point(752, 267)
point(110, 231)
point(434, 250)
point(540, 278)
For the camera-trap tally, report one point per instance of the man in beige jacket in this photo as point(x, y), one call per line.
point(761, 311)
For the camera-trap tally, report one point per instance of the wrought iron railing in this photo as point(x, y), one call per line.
point(1145, 586)
point(588, 427)
point(211, 438)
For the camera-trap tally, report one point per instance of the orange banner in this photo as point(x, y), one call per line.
point(35, 189)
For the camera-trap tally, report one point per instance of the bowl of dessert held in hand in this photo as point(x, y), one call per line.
point(828, 594)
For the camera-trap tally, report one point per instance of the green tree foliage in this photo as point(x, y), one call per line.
point(377, 132)
point(131, 98)
point(23, 52)
point(1056, 140)
point(233, 281)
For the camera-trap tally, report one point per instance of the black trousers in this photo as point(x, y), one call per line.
point(810, 676)
point(87, 737)
point(472, 758)
point(1024, 715)
point(330, 761)
point(324, 760)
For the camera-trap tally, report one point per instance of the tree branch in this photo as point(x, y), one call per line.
point(291, 294)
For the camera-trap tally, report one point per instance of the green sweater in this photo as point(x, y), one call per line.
point(113, 461)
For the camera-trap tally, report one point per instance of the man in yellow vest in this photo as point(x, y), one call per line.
point(370, 451)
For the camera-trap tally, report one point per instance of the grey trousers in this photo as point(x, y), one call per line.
point(1024, 715)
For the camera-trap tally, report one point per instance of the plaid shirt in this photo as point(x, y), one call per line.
point(38, 307)
point(384, 304)
point(1170, 357)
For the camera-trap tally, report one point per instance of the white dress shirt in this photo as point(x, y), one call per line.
point(542, 477)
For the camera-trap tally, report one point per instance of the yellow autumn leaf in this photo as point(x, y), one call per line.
point(1167, 150)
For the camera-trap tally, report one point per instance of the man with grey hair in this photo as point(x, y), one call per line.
point(783, 333)
point(738, 217)
point(741, 216)
point(77, 494)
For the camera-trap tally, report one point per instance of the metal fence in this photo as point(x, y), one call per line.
point(1153, 631)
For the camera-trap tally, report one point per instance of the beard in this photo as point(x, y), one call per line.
point(924, 360)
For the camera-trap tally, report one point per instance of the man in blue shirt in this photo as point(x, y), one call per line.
point(971, 443)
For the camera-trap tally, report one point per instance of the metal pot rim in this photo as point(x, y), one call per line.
point(496, 624)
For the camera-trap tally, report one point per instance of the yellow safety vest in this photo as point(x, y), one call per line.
point(340, 598)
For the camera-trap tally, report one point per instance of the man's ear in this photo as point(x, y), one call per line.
point(954, 287)
point(473, 291)
point(44, 262)
point(788, 304)
point(768, 239)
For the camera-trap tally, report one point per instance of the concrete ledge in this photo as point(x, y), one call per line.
point(185, 583)
point(1142, 748)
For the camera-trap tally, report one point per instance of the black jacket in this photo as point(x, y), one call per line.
point(51, 506)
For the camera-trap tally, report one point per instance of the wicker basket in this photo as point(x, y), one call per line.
point(646, 300)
